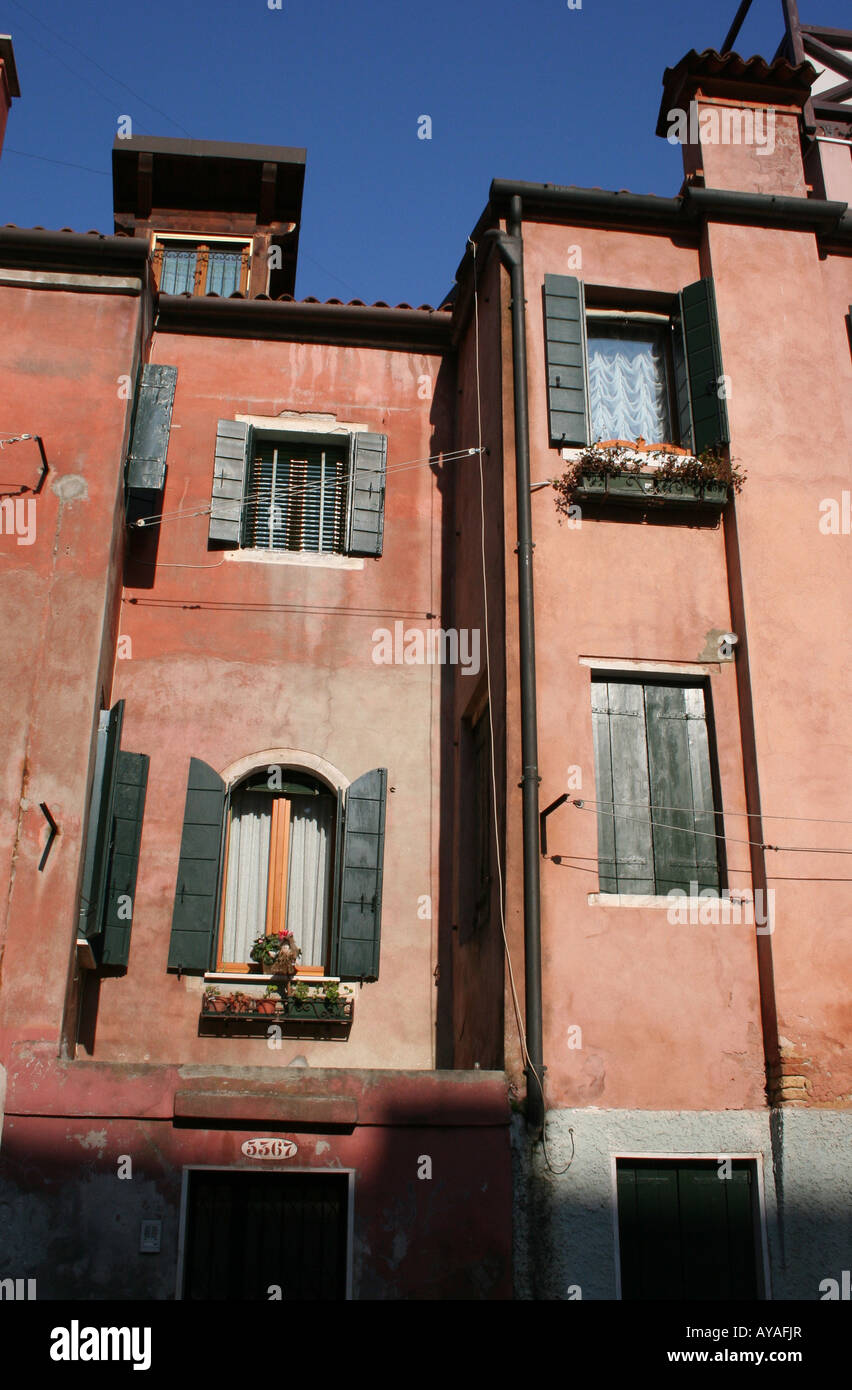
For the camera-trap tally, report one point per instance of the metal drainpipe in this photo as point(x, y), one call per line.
point(510, 246)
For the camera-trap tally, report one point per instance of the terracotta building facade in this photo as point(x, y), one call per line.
point(488, 656)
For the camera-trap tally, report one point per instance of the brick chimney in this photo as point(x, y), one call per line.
point(8, 83)
point(738, 121)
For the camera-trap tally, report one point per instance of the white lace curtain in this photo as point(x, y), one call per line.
point(248, 873)
point(627, 385)
point(308, 877)
point(308, 874)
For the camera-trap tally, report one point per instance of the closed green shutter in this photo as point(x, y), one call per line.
point(656, 812)
point(128, 809)
point(233, 440)
point(197, 891)
point(686, 1229)
point(681, 386)
point(565, 337)
point(703, 351)
point(146, 462)
point(681, 790)
point(367, 501)
point(99, 825)
point(626, 861)
point(357, 940)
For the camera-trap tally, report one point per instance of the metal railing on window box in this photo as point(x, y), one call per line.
point(645, 487)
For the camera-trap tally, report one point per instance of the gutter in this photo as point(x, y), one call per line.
point(361, 325)
point(34, 248)
point(509, 245)
point(645, 211)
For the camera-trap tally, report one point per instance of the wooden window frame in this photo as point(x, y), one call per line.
point(277, 884)
point(203, 246)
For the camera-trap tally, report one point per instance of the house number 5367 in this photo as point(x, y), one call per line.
point(269, 1148)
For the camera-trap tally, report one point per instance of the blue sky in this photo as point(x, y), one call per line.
point(528, 89)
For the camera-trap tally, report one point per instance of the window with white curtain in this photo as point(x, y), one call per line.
point(629, 381)
point(278, 868)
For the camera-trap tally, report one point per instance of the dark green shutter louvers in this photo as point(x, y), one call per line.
point(565, 338)
point(99, 825)
point(128, 810)
point(229, 469)
point(149, 445)
point(367, 504)
point(357, 942)
point(197, 890)
point(700, 328)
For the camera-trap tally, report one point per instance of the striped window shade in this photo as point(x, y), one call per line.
point(295, 497)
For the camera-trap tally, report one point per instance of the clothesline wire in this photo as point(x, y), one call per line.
point(729, 839)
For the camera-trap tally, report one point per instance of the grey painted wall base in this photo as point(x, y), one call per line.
point(564, 1224)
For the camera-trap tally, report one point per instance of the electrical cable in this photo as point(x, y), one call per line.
point(752, 815)
point(452, 456)
point(729, 839)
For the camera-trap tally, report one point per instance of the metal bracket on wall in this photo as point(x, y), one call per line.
point(542, 820)
point(54, 831)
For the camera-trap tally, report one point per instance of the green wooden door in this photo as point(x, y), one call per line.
point(686, 1230)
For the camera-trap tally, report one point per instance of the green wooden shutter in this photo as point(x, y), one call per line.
point(703, 351)
point(625, 851)
point(683, 400)
point(128, 809)
point(356, 946)
point(565, 338)
point(233, 440)
point(197, 892)
point(684, 1231)
point(681, 788)
point(367, 499)
point(99, 825)
point(146, 462)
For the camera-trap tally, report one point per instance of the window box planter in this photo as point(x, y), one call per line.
point(645, 487)
point(316, 1017)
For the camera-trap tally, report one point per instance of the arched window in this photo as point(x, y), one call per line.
point(277, 851)
point(280, 832)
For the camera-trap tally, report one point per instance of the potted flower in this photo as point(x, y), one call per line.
point(334, 1002)
point(267, 1004)
point(212, 1001)
point(277, 954)
point(300, 995)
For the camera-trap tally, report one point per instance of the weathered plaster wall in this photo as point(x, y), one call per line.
point(69, 1221)
point(565, 1225)
point(229, 658)
point(62, 356)
point(632, 982)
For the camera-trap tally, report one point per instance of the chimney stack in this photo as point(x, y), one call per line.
point(738, 121)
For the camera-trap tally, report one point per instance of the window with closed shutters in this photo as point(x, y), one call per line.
point(657, 821)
